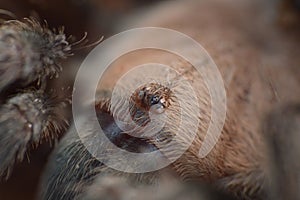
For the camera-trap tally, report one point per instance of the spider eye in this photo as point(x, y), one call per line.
point(141, 94)
point(154, 100)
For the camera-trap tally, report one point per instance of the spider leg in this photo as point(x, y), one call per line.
point(25, 119)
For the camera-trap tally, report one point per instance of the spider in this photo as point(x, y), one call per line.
point(31, 53)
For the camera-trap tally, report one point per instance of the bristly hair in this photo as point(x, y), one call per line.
point(25, 120)
point(30, 51)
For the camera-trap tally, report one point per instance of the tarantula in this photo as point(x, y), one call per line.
point(254, 71)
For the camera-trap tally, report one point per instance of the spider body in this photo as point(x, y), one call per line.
point(257, 61)
point(254, 79)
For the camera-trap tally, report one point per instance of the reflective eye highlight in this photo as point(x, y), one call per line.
point(154, 100)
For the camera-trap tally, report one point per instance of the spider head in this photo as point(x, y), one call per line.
point(152, 97)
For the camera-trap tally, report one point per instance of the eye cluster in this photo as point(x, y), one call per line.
point(152, 97)
point(152, 94)
point(155, 99)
